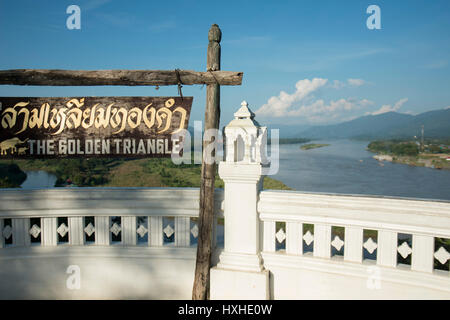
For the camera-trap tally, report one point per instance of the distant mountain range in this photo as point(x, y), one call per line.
point(384, 126)
point(387, 125)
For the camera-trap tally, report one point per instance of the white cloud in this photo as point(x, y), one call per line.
point(336, 84)
point(319, 111)
point(356, 82)
point(389, 108)
point(302, 102)
point(331, 108)
point(278, 106)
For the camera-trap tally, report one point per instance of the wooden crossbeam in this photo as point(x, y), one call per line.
point(44, 77)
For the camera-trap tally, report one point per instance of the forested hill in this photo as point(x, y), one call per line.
point(384, 126)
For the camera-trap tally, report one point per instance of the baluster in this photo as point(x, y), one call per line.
point(156, 233)
point(2, 238)
point(20, 229)
point(294, 233)
point(102, 233)
point(322, 241)
point(353, 244)
point(49, 236)
point(269, 236)
point(129, 235)
point(76, 232)
point(26, 231)
point(387, 248)
point(422, 253)
point(182, 231)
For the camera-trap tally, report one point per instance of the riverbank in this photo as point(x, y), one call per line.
point(434, 161)
point(288, 141)
point(432, 154)
point(11, 176)
point(126, 173)
point(163, 173)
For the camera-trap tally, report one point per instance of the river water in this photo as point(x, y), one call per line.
point(343, 167)
point(38, 179)
point(347, 167)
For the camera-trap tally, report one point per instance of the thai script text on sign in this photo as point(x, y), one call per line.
point(97, 126)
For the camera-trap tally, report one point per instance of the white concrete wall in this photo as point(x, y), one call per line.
point(105, 273)
point(305, 278)
point(152, 270)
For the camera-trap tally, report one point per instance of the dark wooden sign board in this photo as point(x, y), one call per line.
point(101, 127)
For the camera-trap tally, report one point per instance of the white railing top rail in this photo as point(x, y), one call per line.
point(19, 203)
point(401, 215)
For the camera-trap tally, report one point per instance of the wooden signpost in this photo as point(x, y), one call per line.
point(206, 214)
point(18, 132)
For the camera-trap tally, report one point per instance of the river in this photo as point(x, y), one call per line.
point(347, 167)
point(38, 179)
point(343, 167)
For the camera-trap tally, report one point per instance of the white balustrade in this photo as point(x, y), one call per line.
point(20, 206)
point(393, 220)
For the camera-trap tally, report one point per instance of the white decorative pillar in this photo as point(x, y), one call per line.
point(240, 273)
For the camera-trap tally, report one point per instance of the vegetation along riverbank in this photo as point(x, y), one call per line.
point(433, 153)
point(313, 146)
point(121, 173)
point(10, 175)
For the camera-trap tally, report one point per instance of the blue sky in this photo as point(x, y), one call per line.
point(304, 62)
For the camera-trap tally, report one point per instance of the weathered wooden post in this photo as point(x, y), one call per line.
point(206, 214)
